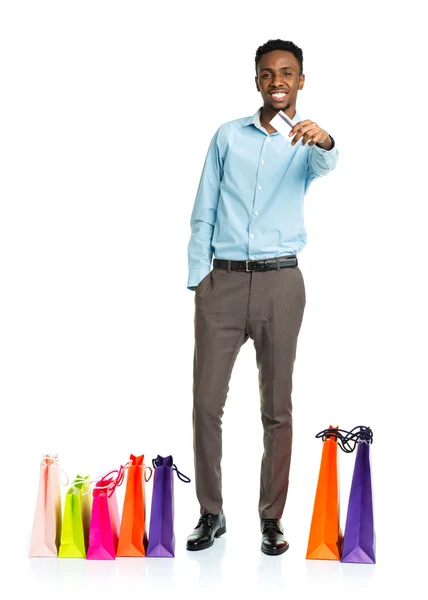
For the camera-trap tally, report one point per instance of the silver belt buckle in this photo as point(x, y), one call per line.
point(246, 266)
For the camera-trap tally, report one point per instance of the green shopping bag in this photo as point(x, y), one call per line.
point(76, 520)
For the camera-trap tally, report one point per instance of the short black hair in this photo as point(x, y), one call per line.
point(280, 45)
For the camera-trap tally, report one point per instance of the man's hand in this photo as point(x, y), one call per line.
point(311, 131)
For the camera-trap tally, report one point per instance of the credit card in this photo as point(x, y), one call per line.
point(282, 124)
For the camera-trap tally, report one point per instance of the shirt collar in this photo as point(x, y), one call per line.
point(255, 119)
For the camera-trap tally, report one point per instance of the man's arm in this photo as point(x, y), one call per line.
point(323, 154)
point(204, 214)
point(322, 161)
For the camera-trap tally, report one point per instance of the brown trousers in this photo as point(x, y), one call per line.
point(230, 307)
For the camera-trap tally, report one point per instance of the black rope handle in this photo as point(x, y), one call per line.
point(181, 476)
point(340, 436)
point(364, 434)
point(348, 440)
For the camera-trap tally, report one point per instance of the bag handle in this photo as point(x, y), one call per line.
point(151, 473)
point(181, 476)
point(122, 470)
point(347, 440)
point(52, 459)
point(112, 485)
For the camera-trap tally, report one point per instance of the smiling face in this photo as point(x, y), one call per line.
point(278, 80)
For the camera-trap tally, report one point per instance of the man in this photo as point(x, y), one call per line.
point(248, 212)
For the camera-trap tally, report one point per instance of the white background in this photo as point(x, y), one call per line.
point(107, 110)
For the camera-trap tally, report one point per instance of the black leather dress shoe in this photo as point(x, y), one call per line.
point(208, 527)
point(273, 540)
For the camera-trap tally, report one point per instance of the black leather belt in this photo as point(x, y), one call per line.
point(266, 264)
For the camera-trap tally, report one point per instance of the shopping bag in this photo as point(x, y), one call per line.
point(46, 531)
point(133, 535)
point(359, 537)
point(161, 532)
point(105, 521)
point(75, 523)
point(325, 536)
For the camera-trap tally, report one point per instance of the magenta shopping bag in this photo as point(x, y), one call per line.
point(105, 521)
point(359, 536)
point(161, 532)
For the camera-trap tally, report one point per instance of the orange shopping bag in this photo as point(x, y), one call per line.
point(325, 536)
point(133, 535)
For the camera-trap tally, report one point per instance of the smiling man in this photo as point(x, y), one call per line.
point(248, 213)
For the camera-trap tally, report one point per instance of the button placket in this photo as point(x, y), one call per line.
point(259, 188)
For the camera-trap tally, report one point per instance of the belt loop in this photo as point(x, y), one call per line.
point(228, 266)
point(277, 264)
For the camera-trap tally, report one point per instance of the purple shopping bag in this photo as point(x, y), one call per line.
point(359, 536)
point(161, 531)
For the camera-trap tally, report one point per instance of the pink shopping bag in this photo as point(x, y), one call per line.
point(46, 533)
point(105, 521)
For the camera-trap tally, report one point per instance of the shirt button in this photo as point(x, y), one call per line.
point(251, 235)
point(260, 187)
point(268, 139)
point(262, 161)
point(256, 213)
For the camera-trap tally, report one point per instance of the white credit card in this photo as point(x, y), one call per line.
point(283, 124)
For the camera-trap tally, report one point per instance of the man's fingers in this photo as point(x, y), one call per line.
point(299, 133)
point(306, 132)
point(310, 133)
point(299, 125)
point(316, 139)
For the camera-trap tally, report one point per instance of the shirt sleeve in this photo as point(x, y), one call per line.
point(321, 161)
point(204, 214)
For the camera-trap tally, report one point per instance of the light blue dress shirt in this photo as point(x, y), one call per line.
point(249, 203)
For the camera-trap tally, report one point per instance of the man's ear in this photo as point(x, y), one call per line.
point(301, 82)
point(257, 84)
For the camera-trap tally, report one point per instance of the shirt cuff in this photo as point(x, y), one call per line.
point(196, 275)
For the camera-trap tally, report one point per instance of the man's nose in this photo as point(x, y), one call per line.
point(277, 81)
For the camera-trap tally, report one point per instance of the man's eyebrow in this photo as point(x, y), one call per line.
point(269, 69)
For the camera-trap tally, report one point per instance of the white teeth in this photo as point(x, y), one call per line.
point(279, 95)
